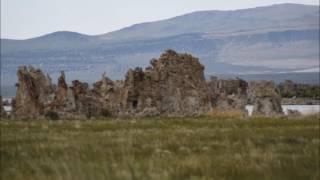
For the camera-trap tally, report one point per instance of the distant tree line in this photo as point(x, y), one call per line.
point(289, 89)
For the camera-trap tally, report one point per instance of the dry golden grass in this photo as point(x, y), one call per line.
point(217, 113)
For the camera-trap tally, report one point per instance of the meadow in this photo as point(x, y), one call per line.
point(161, 148)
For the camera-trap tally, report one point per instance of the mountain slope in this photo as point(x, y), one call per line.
point(273, 39)
point(276, 17)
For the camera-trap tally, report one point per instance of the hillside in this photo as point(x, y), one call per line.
point(225, 23)
point(279, 38)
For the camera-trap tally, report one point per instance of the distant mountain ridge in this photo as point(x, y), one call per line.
point(283, 16)
point(271, 39)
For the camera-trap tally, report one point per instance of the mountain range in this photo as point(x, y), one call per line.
point(281, 38)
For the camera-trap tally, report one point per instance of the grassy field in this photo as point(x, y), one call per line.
point(170, 148)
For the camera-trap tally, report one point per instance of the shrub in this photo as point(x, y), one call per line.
point(51, 115)
point(105, 113)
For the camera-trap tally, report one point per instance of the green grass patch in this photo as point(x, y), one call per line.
point(161, 148)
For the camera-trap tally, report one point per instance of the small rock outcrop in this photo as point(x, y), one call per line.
point(266, 99)
point(85, 103)
point(109, 94)
point(3, 113)
point(34, 92)
point(174, 85)
point(62, 90)
point(228, 95)
point(64, 101)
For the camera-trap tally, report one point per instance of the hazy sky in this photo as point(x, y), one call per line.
point(22, 19)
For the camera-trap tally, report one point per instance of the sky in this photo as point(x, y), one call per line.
point(22, 19)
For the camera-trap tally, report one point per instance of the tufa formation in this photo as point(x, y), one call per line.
point(266, 99)
point(173, 85)
point(34, 93)
point(228, 95)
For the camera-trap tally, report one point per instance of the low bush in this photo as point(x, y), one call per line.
point(105, 113)
point(51, 115)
